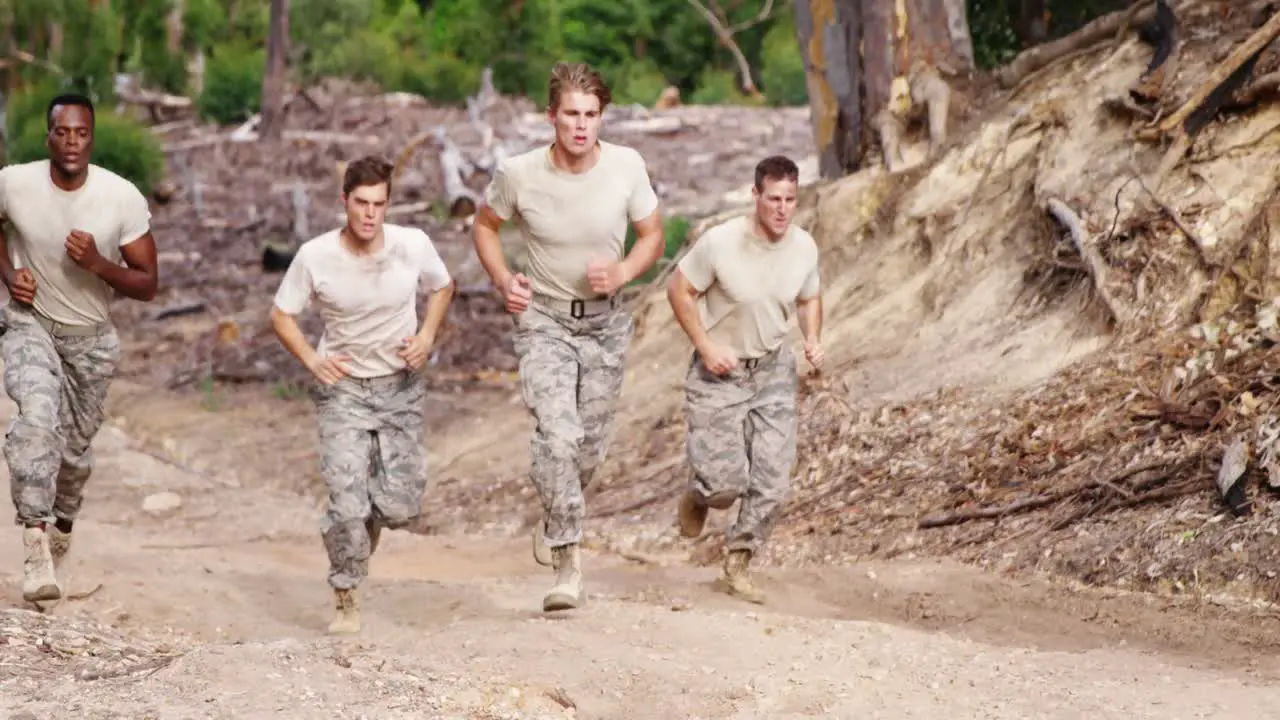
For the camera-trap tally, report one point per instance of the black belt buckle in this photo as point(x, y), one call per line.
point(750, 363)
point(577, 309)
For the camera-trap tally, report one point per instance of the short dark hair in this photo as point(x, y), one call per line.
point(368, 170)
point(776, 167)
point(69, 99)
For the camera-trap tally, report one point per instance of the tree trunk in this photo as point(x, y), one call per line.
point(174, 27)
point(273, 81)
point(858, 56)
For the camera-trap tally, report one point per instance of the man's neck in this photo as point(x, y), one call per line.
point(762, 231)
point(574, 163)
point(360, 247)
point(63, 181)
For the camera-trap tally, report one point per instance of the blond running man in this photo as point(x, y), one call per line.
point(78, 234)
point(573, 200)
point(370, 394)
point(734, 294)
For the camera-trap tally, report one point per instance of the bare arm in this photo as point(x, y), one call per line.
point(809, 315)
point(433, 315)
point(649, 246)
point(286, 328)
point(683, 298)
point(139, 276)
point(489, 247)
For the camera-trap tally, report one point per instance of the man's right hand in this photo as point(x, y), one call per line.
point(22, 286)
point(718, 358)
point(518, 293)
point(331, 369)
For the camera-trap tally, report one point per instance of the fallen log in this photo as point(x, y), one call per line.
point(1107, 27)
point(454, 168)
point(1210, 94)
point(1092, 258)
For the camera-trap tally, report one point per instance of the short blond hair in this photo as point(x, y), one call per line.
point(577, 77)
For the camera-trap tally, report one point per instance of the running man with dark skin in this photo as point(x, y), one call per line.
point(74, 234)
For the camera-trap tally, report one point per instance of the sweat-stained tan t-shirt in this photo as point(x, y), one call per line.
point(570, 219)
point(749, 284)
point(368, 302)
point(107, 206)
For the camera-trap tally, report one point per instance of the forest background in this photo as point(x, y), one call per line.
point(215, 51)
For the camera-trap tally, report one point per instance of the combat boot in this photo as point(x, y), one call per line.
point(566, 594)
point(347, 618)
point(736, 581)
point(39, 583)
point(59, 546)
point(693, 515)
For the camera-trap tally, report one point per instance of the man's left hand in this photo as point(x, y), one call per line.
point(606, 277)
point(813, 353)
point(415, 350)
point(82, 249)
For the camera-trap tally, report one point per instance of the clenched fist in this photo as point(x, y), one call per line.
point(22, 286)
point(82, 249)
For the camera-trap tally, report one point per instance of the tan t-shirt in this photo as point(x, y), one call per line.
point(107, 206)
point(750, 285)
point(569, 219)
point(368, 303)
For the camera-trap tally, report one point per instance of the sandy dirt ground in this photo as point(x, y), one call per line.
point(212, 603)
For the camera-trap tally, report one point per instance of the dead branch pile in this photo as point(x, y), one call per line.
point(39, 649)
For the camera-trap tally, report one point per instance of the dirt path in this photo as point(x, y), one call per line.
point(233, 580)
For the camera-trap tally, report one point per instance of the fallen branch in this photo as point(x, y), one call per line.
point(1180, 122)
point(1173, 215)
point(725, 35)
point(454, 167)
point(1082, 41)
point(1092, 258)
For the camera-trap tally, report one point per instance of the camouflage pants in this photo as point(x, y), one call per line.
point(59, 384)
point(741, 441)
point(372, 460)
point(571, 372)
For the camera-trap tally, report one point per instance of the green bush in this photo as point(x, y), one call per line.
point(120, 145)
point(638, 81)
point(440, 77)
point(782, 68)
point(717, 87)
point(232, 84)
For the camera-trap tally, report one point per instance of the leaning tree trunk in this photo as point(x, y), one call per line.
point(273, 81)
point(858, 55)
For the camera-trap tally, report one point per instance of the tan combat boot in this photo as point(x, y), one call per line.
point(566, 594)
point(347, 618)
point(693, 515)
point(39, 583)
point(59, 546)
point(736, 581)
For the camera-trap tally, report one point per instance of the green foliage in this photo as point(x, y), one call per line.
point(92, 42)
point(232, 84)
point(782, 68)
point(675, 231)
point(120, 144)
point(717, 87)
